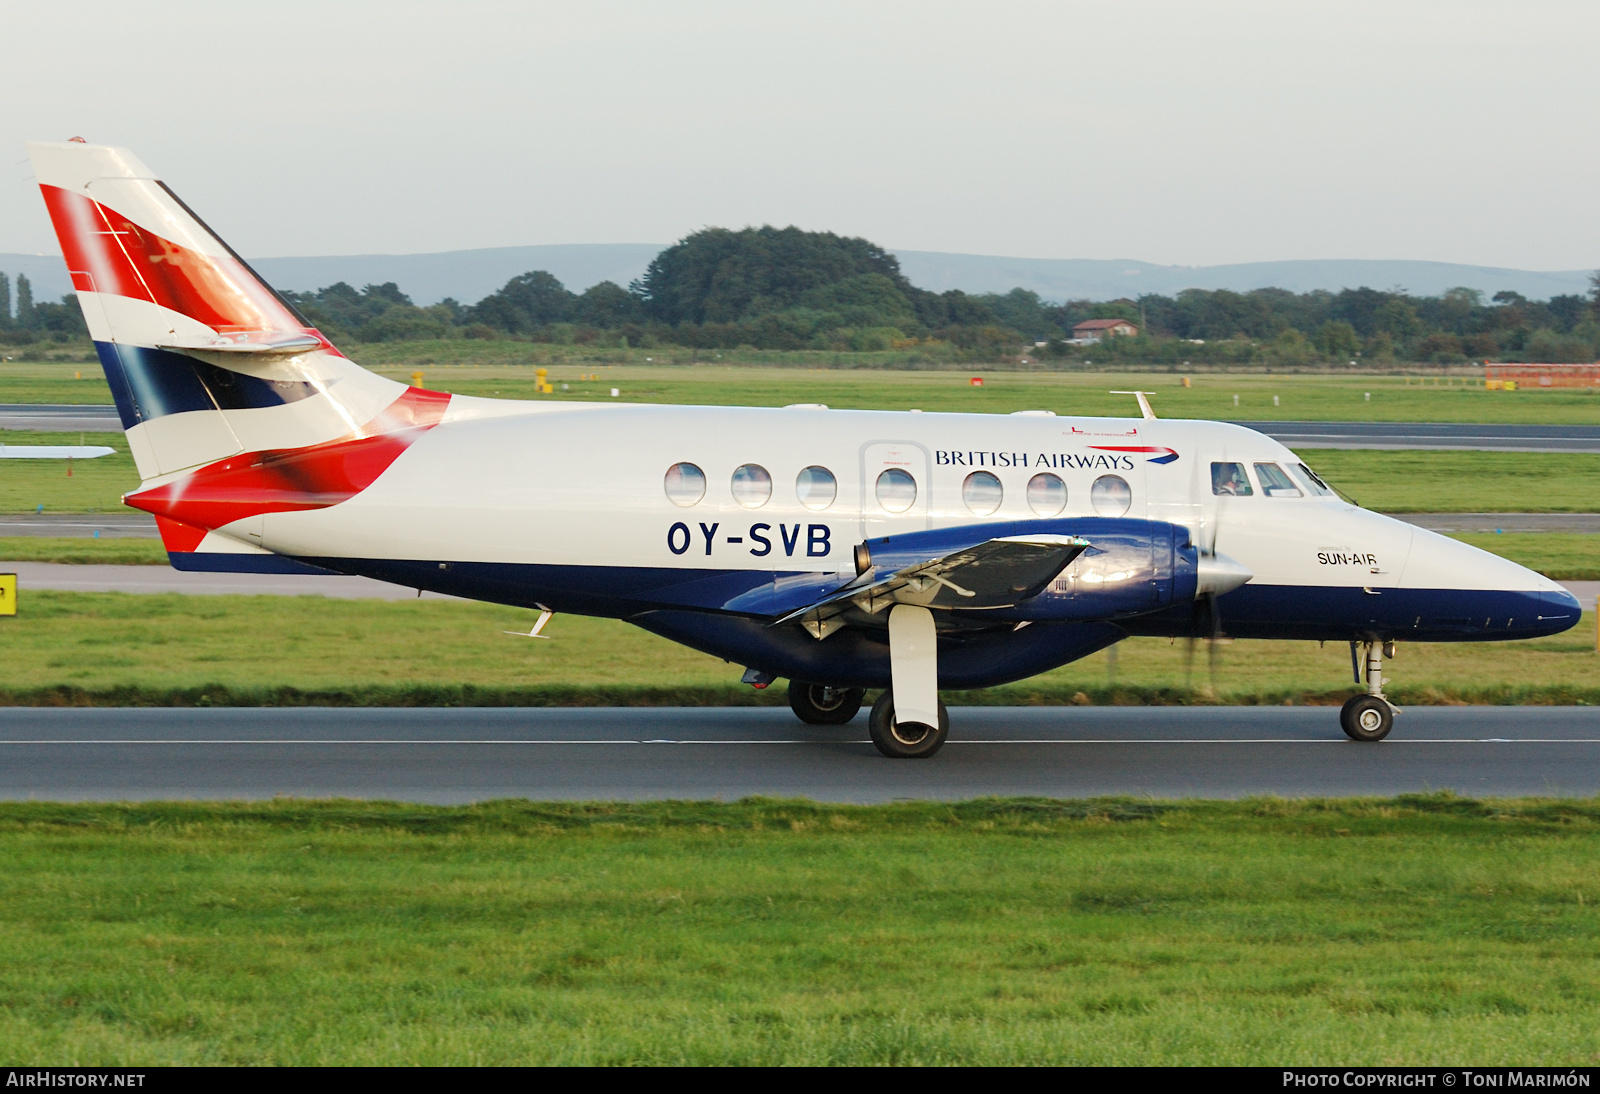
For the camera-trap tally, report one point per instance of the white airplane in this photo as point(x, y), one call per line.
point(843, 550)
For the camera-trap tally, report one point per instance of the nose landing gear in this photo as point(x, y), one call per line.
point(1369, 717)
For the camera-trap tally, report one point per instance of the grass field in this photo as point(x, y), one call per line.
point(94, 486)
point(1421, 930)
point(121, 648)
point(1566, 556)
point(817, 378)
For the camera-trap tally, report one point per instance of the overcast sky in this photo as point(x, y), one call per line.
point(1175, 132)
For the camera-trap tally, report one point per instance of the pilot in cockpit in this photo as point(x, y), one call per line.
point(1229, 479)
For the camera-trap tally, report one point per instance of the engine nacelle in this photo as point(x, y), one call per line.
point(1132, 567)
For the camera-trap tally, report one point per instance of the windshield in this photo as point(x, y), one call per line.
point(1308, 478)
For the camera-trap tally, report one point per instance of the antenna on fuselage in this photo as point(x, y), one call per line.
point(1144, 403)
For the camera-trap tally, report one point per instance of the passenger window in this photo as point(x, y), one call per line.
point(816, 488)
point(1314, 485)
point(982, 492)
point(1229, 479)
point(1110, 495)
point(685, 483)
point(1047, 494)
point(752, 486)
point(897, 490)
point(1275, 482)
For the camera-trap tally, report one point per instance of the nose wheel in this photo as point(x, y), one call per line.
point(1369, 717)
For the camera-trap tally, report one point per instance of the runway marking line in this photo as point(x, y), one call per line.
point(585, 741)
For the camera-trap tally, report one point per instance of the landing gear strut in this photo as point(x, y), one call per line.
point(908, 720)
point(1369, 717)
point(821, 705)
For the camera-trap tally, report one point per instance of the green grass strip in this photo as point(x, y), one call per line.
point(738, 695)
point(1418, 930)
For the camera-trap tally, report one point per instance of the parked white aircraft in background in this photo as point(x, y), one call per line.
point(844, 550)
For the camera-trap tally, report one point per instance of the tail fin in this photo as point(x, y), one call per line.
point(234, 406)
point(204, 359)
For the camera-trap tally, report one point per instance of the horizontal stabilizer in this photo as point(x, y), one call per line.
point(258, 344)
point(54, 451)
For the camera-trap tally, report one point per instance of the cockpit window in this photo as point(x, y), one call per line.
point(1313, 484)
point(1229, 479)
point(1275, 482)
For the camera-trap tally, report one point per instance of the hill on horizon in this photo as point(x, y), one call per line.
point(470, 275)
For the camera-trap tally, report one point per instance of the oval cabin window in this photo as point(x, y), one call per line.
point(982, 492)
point(685, 483)
point(1047, 494)
point(816, 488)
point(752, 486)
point(1111, 495)
point(897, 490)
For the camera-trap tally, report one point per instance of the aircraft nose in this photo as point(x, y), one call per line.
point(1554, 611)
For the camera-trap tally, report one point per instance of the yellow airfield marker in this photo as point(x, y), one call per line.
point(8, 594)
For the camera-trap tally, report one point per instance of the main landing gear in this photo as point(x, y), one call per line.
point(1369, 717)
point(900, 740)
point(820, 705)
point(908, 721)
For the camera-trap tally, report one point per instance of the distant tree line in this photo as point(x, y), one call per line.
point(783, 288)
point(61, 320)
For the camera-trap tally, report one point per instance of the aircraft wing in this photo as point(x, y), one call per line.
point(996, 573)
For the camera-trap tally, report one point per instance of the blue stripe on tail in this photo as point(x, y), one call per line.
point(150, 383)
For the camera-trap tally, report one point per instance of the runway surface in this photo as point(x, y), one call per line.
point(118, 525)
point(464, 755)
point(1503, 438)
point(60, 417)
point(1512, 438)
point(91, 578)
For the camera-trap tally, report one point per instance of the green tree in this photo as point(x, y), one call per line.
point(5, 301)
point(864, 300)
point(527, 302)
point(721, 276)
point(1398, 319)
point(24, 303)
point(1337, 339)
point(607, 306)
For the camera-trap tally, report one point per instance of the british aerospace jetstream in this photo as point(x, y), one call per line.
point(843, 550)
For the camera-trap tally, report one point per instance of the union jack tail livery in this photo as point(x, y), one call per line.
point(233, 404)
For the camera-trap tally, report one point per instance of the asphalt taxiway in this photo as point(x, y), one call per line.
point(61, 417)
point(464, 755)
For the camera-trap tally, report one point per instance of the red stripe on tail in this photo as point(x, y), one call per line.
point(293, 479)
point(123, 259)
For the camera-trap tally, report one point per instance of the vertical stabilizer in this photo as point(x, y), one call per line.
point(205, 360)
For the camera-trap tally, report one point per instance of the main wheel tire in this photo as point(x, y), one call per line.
point(907, 741)
point(820, 705)
point(1366, 718)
